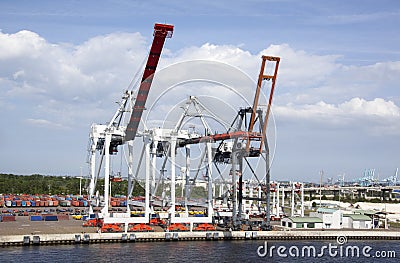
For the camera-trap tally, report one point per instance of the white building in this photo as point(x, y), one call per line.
point(302, 222)
point(331, 218)
point(357, 221)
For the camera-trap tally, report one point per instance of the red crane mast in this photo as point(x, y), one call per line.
point(161, 31)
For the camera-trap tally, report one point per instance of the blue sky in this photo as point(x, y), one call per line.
point(361, 30)
point(64, 63)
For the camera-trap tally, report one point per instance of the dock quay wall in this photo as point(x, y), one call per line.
point(87, 238)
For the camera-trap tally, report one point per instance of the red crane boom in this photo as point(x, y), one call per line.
point(223, 136)
point(161, 31)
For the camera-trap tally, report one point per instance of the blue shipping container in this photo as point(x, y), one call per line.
point(33, 203)
point(23, 203)
point(36, 218)
point(1, 218)
point(51, 218)
point(13, 203)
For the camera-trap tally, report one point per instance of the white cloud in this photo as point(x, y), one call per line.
point(378, 107)
point(21, 44)
point(225, 53)
point(47, 79)
point(377, 116)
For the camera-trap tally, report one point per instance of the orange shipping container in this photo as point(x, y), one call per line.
point(8, 218)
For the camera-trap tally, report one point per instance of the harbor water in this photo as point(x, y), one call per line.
point(209, 251)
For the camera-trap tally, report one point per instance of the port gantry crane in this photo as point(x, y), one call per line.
point(246, 143)
point(107, 138)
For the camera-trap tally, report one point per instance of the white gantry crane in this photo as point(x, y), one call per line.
point(105, 139)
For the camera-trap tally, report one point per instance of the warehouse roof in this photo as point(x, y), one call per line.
point(358, 217)
point(323, 210)
point(305, 219)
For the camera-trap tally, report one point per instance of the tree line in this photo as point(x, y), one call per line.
point(59, 185)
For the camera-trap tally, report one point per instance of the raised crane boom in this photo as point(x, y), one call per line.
point(261, 78)
point(161, 31)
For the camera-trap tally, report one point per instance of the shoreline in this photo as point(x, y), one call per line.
point(88, 238)
point(23, 231)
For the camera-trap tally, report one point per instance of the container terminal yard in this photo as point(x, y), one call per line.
point(224, 193)
point(57, 219)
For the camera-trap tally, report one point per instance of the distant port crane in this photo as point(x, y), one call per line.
point(369, 179)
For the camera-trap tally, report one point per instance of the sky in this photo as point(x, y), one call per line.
point(64, 64)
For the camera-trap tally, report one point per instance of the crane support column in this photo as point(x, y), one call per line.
point(153, 170)
point(130, 174)
point(147, 183)
point(187, 176)
point(106, 174)
point(240, 185)
point(173, 194)
point(209, 176)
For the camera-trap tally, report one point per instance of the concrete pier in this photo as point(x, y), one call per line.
point(87, 238)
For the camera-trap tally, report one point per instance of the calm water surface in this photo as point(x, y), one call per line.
point(205, 251)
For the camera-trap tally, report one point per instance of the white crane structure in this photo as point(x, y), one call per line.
point(107, 138)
